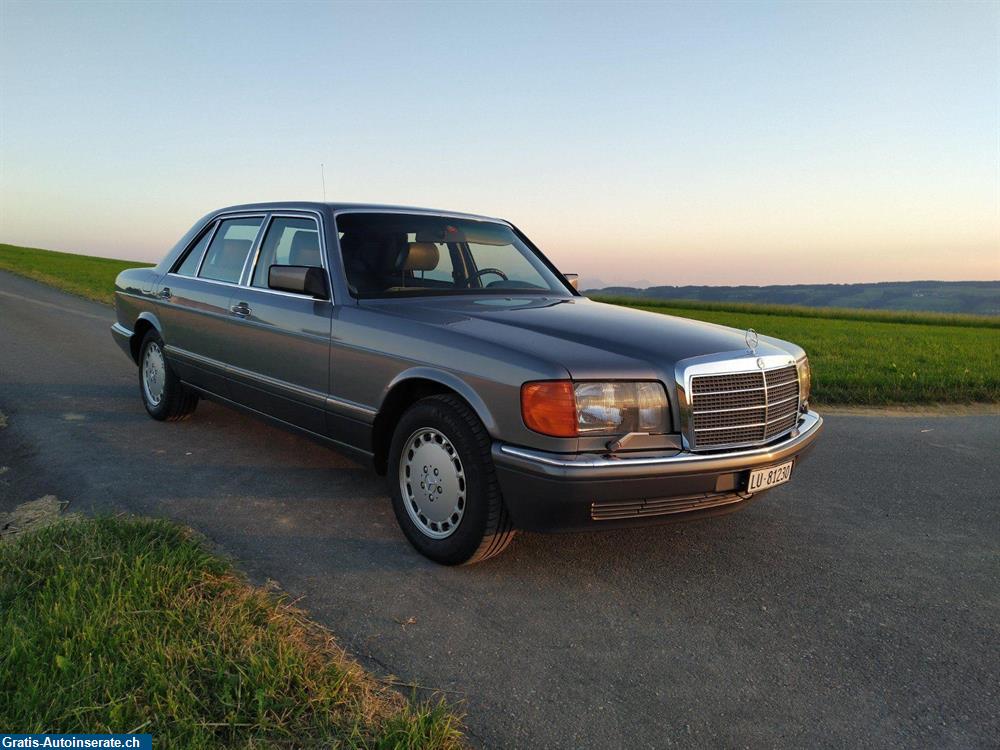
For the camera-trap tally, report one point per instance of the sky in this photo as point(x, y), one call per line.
point(652, 143)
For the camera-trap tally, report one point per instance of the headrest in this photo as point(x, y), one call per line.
point(304, 250)
point(421, 256)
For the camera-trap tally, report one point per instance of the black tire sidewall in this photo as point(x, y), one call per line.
point(171, 384)
point(463, 543)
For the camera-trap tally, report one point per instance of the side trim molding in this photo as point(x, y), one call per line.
point(309, 396)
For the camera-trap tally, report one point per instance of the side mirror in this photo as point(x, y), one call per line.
point(573, 279)
point(298, 280)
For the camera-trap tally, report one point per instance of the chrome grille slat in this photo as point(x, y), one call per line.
point(778, 385)
point(733, 390)
point(723, 401)
point(610, 511)
point(728, 382)
point(770, 403)
point(782, 391)
point(732, 427)
point(743, 408)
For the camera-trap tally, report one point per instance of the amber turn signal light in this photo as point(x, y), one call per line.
point(549, 407)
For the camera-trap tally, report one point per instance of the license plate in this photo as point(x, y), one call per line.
point(772, 476)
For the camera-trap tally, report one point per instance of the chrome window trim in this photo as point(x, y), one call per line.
point(255, 246)
point(246, 278)
point(219, 218)
point(199, 278)
point(266, 215)
point(209, 229)
point(420, 212)
point(725, 363)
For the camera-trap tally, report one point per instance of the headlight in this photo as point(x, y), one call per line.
point(805, 380)
point(562, 408)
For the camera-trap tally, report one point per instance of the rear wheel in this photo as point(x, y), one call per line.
point(165, 397)
point(444, 488)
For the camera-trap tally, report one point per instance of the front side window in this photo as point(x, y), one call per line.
point(290, 241)
point(388, 255)
point(229, 249)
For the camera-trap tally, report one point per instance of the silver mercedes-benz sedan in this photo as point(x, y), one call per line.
point(447, 350)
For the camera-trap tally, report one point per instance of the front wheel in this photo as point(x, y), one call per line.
point(165, 397)
point(444, 488)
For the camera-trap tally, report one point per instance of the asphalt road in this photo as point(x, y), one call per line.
point(857, 606)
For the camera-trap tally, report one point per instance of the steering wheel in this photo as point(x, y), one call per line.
point(484, 271)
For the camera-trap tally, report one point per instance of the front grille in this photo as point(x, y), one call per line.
point(744, 408)
point(620, 509)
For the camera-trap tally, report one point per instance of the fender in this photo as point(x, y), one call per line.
point(145, 318)
point(149, 317)
point(450, 380)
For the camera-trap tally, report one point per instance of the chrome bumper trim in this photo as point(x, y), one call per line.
point(587, 465)
point(119, 330)
point(122, 337)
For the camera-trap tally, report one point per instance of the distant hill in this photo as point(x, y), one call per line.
point(972, 297)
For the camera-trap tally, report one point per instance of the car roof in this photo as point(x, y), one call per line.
point(347, 207)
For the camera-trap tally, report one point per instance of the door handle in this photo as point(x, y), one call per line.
point(241, 310)
point(165, 293)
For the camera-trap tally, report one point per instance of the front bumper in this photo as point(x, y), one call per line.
point(559, 492)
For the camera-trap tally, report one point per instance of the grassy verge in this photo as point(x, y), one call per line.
point(83, 275)
point(862, 358)
point(116, 624)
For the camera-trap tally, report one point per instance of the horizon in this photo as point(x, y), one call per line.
point(717, 144)
point(629, 285)
point(817, 283)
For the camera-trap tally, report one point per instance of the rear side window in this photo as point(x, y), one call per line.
point(189, 266)
point(290, 241)
point(229, 249)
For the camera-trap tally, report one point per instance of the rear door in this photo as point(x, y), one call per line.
point(194, 300)
point(279, 344)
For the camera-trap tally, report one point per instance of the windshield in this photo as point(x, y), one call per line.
point(387, 255)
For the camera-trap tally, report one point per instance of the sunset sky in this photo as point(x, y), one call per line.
point(725, 143)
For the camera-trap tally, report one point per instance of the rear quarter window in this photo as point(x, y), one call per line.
point(192, 258)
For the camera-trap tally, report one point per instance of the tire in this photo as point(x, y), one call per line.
point(437, 433)
point(176, 401)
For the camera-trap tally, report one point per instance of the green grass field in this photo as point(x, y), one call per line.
point(118, 624)
point(873, 358)
point(859, 357)
point(83, 275)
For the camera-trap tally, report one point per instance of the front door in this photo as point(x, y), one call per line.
point(279, 348)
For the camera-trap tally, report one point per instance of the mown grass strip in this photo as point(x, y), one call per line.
point(110, 624)
point(801, 311)
point(82, 275)
point(870, 362)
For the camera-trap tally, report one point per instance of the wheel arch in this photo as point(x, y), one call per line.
point(145, 322)
point(409, 387)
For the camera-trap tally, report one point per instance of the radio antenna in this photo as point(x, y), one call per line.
point(322, 176)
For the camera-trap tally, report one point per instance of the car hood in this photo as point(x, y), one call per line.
point(590, 339)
